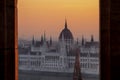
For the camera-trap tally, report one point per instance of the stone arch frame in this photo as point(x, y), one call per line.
point(9, 39)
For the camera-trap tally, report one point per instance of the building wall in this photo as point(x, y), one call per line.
point(89, 61)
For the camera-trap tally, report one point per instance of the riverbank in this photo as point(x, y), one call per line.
point(40, 75)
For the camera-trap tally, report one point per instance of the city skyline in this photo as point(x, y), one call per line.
point(38, 16)
point(53, 39)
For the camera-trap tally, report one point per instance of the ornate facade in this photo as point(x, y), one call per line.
point(45, 55)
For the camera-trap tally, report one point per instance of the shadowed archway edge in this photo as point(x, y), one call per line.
point(9, 39)
point(105, 40)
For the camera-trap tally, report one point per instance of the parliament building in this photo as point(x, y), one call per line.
point(50, 56)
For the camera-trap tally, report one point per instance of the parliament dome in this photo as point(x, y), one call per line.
point(66, 33)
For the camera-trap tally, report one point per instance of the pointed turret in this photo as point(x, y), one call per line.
point(92, 39)
point(33, 41)
point(42, 39)
point(50, 40)
point(83, 41)
point(65, 24)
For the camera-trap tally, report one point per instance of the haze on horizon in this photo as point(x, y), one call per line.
point(37, 16)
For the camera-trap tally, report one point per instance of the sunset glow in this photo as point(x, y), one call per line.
point(37, 16)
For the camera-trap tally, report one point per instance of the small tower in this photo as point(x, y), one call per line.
point(42, 39)
point(33, 41)
point(65, 24)
point(92, 39)
point(50, 40)
point(83, 41)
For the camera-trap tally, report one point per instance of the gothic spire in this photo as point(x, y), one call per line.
point(92, 39)
point(33, 41)
point(44, 36)
point(65, 24)
point(83, 40)
point(42, 39)
point(50, 40)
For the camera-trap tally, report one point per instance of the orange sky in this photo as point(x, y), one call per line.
point(37, 16)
